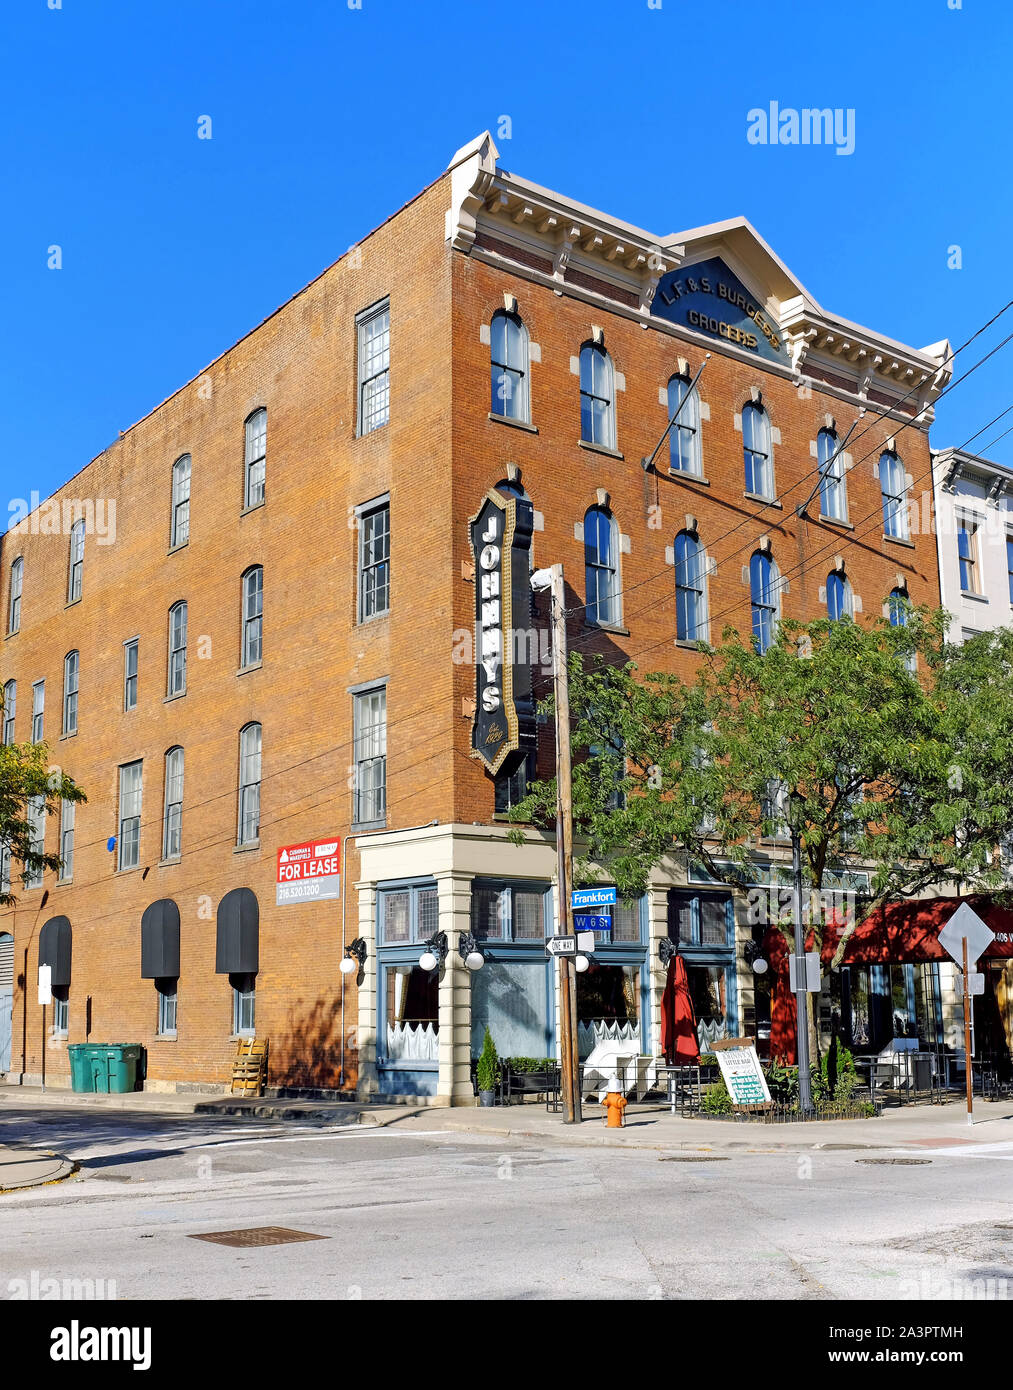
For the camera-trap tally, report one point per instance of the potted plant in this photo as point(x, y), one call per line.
point(487, 1071)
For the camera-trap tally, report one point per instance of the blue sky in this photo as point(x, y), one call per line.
point(325, 119)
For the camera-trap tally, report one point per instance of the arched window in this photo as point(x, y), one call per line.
point(601, 567)
point(249, 784)
point(172, 816)
point(14, 610)
point(840, 599)
point(764, 589)
point(179, 532)
point(76, 570)
point(256, 458)
point(9, 711)
point(833, 493)
point(253, 616)
point(597, 397)
point(893, 483)
point(756, 447)
point(898, 608)
point(71, 670)
point(690, 589)
point(509, 358)
point(684, 439)
point(177, 649)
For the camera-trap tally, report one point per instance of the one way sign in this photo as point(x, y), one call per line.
point(561, 945)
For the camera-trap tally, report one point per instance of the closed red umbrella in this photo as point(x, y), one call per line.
point(678, 1022)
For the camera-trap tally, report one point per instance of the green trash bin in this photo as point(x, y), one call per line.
point(80, 1067)
point(113, 1067)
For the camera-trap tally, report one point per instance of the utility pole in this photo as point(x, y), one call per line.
point(552, 579)
point(805, 1096)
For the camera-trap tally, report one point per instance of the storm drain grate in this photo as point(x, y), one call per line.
point(907, 1162)
point(258, 1235)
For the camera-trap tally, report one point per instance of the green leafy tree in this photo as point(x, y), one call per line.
point(848, 740)
point(26, 775)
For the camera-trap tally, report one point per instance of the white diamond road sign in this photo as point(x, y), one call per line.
point(965, 922)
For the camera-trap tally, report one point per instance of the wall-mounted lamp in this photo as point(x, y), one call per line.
point(754, 956)
point(436, 951)
point(468, 950)
point(355, 956)
point(666, 950)
point(580, 964)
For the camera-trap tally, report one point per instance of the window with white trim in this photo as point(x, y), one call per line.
point(35, 814)
point(255, 468)
point(967, 554)
point(373, 335)
point(690, 588)
point(75, 577)
point(253, 616)
point(14, 609)
point(764, 589)
point(9, 711)
point(250, 743)
point(509, 360)
point(179, 531)
point(597, 397)
point(684, 439)
point(71, 671)
point(601, 567)
point(130, 674)
point(129, 842)
point(38, 711)
point(374, 561)
point(833, 488)
point(893, 484)
point(172, 813)
point(757, 450)
point(370, 734)
point(840, 598)
point(177, 649)
point(68, 815)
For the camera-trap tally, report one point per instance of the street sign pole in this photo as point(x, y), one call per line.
point(568, 1038)
point(967, 1041)
point(805, 1097)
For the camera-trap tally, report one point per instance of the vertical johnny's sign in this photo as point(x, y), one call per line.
point(504, 728)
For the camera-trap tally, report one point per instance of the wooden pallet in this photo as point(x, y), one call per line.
point(249, 1069)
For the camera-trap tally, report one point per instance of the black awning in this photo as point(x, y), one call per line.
point(160, 941)
point(54, 950)
point(238, 944)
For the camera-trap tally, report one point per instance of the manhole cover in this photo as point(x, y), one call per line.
point(258, 1235)
point(907, 1162)
point(693, 1158)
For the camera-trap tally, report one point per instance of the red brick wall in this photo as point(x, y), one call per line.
point(561, 478)
point(300, 364)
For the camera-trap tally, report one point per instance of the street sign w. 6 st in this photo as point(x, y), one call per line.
point(584, 921)
point(561, 945)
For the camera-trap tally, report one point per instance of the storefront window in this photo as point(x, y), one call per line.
point(608, 1006)
point(412, 1013)
point(512, 999)
point(702, 926)
point(708, 988)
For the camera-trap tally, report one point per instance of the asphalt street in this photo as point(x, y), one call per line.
point(450, 1216)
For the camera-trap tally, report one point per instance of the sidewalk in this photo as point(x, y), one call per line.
point(647, 1126)
point(914, 1127)
point(30, 1168)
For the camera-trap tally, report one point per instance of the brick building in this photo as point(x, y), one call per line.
point(288, 596)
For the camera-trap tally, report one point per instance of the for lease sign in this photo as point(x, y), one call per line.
point(309, 872)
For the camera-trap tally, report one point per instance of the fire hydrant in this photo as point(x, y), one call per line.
point(614, 1103)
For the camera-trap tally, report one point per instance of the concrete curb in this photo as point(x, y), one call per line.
point(22, 1168)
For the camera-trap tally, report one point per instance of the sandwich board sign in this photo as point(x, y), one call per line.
point(742, 1073)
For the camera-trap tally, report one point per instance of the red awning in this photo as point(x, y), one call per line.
point(906, 933)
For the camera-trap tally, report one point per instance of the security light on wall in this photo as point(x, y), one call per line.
point(580, 964)
point(355, 956)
